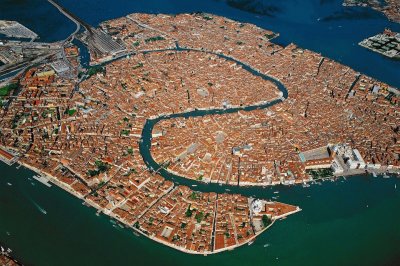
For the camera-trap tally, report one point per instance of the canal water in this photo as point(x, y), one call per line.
point(348, 222)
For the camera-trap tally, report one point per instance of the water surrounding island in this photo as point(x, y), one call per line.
point(352, 222)
point(348, 222)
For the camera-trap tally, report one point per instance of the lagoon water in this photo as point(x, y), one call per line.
point(352, 222)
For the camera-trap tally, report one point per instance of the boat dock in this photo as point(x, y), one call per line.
point(42, 180)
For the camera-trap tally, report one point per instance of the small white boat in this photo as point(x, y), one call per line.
point(385, 175)
point(9, 184)
point(251, 242)
point(374, 174)
point(227, 189)
point(276, 192)
point(266, 245)
point(194, 185)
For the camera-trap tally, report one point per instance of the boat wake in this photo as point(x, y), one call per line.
point(39, 208)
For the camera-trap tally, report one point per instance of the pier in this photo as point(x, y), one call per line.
point(42, 180)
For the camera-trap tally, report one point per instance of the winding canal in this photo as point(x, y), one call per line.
point(145, 143)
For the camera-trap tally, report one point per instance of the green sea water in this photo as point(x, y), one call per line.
point(348, 222)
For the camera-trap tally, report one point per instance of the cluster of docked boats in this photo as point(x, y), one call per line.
point(5, 251)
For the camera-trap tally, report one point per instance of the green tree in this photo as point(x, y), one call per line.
point(266, 220)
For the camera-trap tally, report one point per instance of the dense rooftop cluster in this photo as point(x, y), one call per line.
point(328, 104)
point(5, 260)
point(84, 134)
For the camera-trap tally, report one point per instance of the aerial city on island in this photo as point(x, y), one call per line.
point(197, 96)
